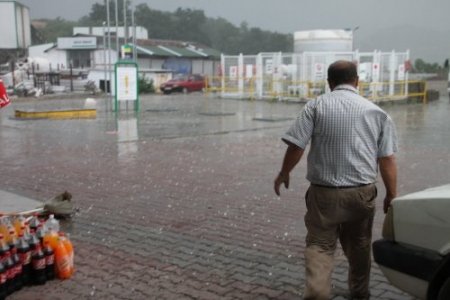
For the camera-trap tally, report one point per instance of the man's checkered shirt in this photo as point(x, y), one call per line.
point(348, 134)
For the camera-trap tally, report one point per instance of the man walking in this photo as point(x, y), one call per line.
point(350, 138)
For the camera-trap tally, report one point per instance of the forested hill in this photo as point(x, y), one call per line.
point(183, 24)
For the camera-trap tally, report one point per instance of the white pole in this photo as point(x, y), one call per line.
point(104, 56)
point(241, 75)
point(407, 74)
point(392, 64)
point(353, 37)
point(259, 76)
point(109, 51)
point(117, 31)
point(222, 66)
point(125, 27)
point(133, 23)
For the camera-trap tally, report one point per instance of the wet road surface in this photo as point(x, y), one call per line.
point(176, 202)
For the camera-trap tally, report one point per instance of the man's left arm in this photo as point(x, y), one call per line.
point(388, 170)
point(387, 162)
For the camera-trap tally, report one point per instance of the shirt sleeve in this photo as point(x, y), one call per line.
point(387, 143)
point(301, 131)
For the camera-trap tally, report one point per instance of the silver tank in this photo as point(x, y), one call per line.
point(335, 40)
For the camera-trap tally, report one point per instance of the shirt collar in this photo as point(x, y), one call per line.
point(346, 87)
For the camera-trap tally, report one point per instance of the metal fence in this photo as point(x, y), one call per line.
point(302, 76)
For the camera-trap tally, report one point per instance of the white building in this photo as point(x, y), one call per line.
point(157, 59)
point(15, 26)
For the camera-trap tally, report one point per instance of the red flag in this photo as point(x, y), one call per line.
point(4, 100)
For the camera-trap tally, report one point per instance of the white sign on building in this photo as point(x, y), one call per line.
point(73, 43)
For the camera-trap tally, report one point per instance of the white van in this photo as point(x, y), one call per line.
point(414, 253)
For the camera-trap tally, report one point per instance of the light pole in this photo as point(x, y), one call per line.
point(108, 84)
point(133, 21)
point(125, 26)
point(353, 37)
point(104, 56)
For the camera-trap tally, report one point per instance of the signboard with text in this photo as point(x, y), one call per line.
point(401, 72)
point(74, 43)
point(127, 89)
point(233, 72)
point(319, 71)
point(375, 72)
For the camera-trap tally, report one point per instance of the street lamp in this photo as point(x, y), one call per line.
point(353, 37)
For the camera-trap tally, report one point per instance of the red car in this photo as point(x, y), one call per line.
point(183, 83)
point(4, 100)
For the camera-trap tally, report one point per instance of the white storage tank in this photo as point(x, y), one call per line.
point(15, 25)
point(334, 40)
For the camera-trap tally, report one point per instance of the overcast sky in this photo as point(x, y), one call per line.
point(421, 25)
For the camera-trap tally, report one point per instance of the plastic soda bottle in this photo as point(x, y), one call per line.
point(5, 258)
point(11, 234)
point(62, 261)
point(51, 236)
point(17, 263)
point(38, 266)
point(34, 243)
point(3, 292)
point(52, 223)
point(49, 261)
point(69, 248)
point(4, 226)
point(24, 251)
point(9, 266)
point(18, 223)
point(40, 233)
point(34, 222)
point(26, 233)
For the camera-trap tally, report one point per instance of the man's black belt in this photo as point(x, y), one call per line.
point(341, 187)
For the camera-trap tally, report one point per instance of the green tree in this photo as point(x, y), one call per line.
point(97, 15)
point(183, 24)
point(159, 25)
point(56, 28)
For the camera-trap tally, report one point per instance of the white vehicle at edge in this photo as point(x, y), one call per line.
point(414, 253)
point(448, 84)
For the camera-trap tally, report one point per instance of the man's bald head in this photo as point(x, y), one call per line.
point(342, 72)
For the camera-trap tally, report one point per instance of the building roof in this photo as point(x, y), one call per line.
point(173, 51)
point(158, 48)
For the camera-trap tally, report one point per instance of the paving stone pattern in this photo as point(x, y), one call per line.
point(185, 210)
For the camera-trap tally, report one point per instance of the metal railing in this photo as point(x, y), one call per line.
point(285, 89)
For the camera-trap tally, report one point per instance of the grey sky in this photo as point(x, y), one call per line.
point(421, 25)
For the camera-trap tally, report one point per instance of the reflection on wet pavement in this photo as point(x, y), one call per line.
point(183, 189)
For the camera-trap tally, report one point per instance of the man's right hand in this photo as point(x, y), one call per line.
point(387, 203)
point(281, 178)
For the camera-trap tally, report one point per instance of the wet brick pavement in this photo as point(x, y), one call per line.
point(178, 203)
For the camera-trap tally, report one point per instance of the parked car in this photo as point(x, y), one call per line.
point(4, 99)
point(414, 253)
point(183, 83)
